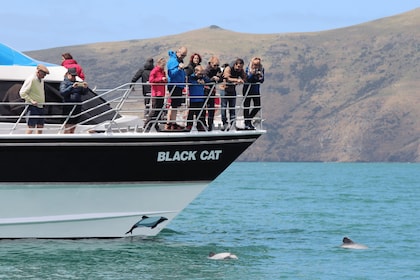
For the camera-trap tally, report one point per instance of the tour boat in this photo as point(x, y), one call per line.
point(111, 178)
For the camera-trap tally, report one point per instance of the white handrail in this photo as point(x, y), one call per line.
point(103, 110)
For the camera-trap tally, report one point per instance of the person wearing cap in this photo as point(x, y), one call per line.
point(72, 92)
point(33, 92)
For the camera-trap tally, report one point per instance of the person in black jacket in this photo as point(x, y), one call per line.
point(195, 60)
point(213, 72)
point(72, 92)
point(251, 91)
point(233, 75)
point(144, 73)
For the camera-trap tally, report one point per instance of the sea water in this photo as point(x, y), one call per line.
point(282, 220)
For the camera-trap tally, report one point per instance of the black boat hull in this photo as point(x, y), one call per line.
point(123, 158)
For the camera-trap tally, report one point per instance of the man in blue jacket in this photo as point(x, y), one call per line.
point(176, 84)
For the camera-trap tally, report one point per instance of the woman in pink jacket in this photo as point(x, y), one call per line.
point(158, 81)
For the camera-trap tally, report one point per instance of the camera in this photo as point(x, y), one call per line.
point(79, 84)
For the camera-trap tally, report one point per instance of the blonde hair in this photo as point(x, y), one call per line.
point(161, 61)
point(251, 63)
point(214, 59)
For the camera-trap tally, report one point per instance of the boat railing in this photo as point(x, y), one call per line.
point(124, 109)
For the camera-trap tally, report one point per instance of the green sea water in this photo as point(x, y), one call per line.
point(282, 220)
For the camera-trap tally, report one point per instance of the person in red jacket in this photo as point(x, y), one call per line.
point(158, 81)
point(69, 62)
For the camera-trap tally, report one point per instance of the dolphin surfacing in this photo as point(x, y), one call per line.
point(222, 256)
point(350, 244)
point(146, 221)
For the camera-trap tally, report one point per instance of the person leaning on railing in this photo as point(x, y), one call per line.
point(233, 75)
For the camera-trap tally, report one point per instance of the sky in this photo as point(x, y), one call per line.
point(34, 25)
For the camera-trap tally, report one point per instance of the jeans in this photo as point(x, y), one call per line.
point(158, 102)
point(210, 110)
point(248, 113)
point(228, 99)
point(196, 109)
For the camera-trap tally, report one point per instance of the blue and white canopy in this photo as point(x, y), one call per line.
point(16, 66)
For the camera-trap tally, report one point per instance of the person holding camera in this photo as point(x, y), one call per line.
point(251, 91)
point(72, 92)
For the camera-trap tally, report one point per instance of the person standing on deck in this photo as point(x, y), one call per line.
point(233, 75)
point(251, 91)
point(33, 92)
point(72, 92)
point(158, 81)
point(214, 73)
point(144, 74)
point(197, 82)
point(176, 75)
point(195, 60)
point(69, 62)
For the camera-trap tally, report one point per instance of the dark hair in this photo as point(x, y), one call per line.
point(239, 61)
point(67, 55)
